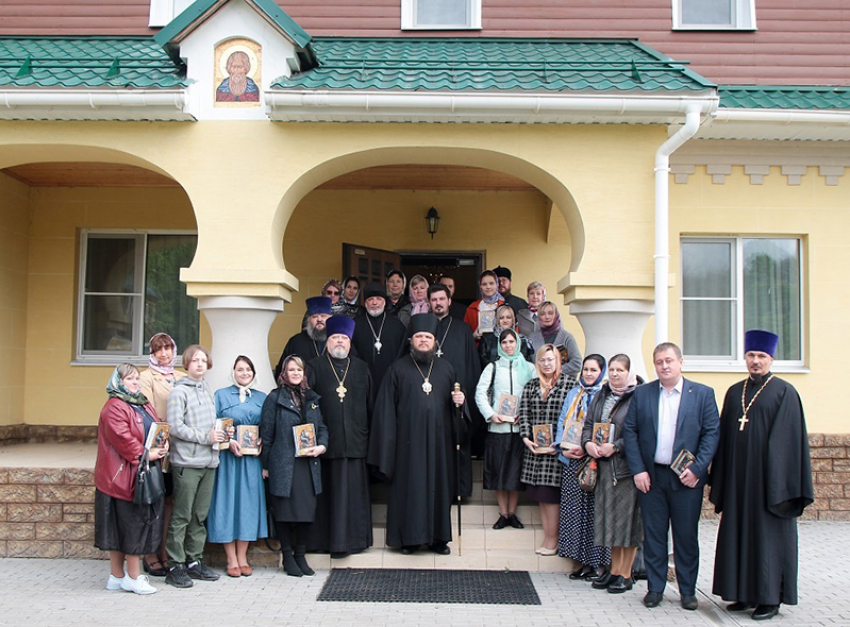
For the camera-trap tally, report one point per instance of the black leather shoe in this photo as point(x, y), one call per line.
point(738, 606)
point(582, 573)
point(514, 522)
point(653, 599)
point(162, 571)
point(689, 602)
point(409, 550)
point(765, 612)
point(601, 583)
point(440, 548)
point(501, 523)
point(619, 584)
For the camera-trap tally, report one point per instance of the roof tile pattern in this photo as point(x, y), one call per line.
point(521, 65)
point(87, 62)
point(784, 97)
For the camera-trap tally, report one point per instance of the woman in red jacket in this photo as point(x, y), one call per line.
point(121, 527)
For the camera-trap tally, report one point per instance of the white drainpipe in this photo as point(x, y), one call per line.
point(662, 220)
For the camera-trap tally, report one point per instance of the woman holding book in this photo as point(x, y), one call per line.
point(121, 527)
point(503, 380)
point(481, 315)
point(575, 538)
point(238, 508)
point(617, 520)
point(157, 382)
point(540, 405)
point(488, 347)
point(551, 331)
point(290, 462)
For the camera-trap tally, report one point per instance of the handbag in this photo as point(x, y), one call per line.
point(588, 474)
point(150, 483)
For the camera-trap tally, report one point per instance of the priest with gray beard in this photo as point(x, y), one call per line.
point(378, 336)
point(310, 343)
point(418, 417)
point(343, 523)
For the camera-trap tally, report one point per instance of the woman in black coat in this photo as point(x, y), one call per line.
point(294, 474)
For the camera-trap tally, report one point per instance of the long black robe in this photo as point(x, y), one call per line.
point(343, 521)
point(761, 480)
point(411, 444)
point(393, 335)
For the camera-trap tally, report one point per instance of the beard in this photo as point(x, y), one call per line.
point(422, 357)
point(238, 84)
point(376, 312)
point(339, 352)
point(315, 334)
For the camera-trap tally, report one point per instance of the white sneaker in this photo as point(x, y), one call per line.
point(139, 585)
point(113, 583)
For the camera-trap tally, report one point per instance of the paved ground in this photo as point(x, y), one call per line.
point(67, 593)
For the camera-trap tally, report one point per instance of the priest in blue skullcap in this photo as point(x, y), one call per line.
point(310, 342)
point(761, 481)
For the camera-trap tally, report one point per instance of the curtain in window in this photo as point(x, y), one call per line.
point(168, 308)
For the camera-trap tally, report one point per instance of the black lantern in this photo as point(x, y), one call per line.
point(433, 219)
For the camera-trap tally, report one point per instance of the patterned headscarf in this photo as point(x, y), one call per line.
point(153, 364)
point(577, 409)
point(547, 383)
point(116, 389)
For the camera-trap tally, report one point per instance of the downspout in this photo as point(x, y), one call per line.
point(662, 220)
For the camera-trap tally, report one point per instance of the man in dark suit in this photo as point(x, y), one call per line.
point(666, 417)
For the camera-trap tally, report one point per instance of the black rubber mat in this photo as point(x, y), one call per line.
point(429, 586)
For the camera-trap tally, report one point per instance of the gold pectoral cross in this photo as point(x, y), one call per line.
point(743, 420)
point(340, 391)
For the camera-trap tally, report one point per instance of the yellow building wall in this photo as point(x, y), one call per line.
point(57, 392)
point(514, 229)
point(818, 213)
point(14, 267)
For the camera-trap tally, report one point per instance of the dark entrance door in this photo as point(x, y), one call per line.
point(368, 264)
point(463, 267)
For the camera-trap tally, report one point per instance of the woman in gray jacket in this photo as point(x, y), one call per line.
point(292, 468)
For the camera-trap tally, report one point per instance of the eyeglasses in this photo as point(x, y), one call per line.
point(546, 360)
point(331, 292)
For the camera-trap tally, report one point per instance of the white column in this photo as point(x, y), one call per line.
point(240, 326)
point(614, 326)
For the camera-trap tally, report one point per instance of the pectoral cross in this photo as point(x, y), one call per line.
point(743, 420)
point(439, 352)
point(340, 391)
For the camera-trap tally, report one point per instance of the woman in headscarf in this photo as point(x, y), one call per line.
point(294, 481)
point(488, 347)
point(617, 522)
point(503, 448)
point(540, 404)
point(551, 331)
point(575, 537)
point(481, 315)
point(157, 382)
point(121, 527)
point(238, 508)
point(418, 295)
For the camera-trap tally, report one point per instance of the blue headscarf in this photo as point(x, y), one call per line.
point(577, 402)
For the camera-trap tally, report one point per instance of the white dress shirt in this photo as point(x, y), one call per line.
point(668, 416)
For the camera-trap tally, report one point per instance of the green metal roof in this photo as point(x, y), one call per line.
point(87, 62)
point(783, 97)
point(199, 10)
point(490, 64)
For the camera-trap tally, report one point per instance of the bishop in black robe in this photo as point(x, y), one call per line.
point(761, 480)
point(414, 429)
point(343, 521)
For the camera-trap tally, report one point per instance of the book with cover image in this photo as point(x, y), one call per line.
point(508, 407)
point(223, 424)
point(603, 432)
point(572, 434)
point(542, 437)
point(684, 459)
point(157, 436)
point(305, 437)
point(248, 437)
point(486, 321)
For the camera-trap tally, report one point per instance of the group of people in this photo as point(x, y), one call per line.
point(379, 392)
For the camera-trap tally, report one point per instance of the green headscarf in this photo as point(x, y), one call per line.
point(524, 369)
point(115, 388)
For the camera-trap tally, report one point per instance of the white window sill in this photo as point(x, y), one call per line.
point(110, 361)
point(715, 27)
point(441, 27)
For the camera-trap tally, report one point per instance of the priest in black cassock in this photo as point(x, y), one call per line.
point(761, 481)
point(378, 337)
point(456, 345)
point(416, 421)
point(310, 343)
point(343, 523)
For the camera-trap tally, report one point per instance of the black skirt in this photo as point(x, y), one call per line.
point(126, 527)
point(300, 505)
point(503, 461)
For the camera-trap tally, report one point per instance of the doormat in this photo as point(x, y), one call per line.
point(429, 586)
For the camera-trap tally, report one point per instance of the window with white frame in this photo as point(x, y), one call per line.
point(731, 284)
point(714, 14)
point(129, 290)
point(440, 14)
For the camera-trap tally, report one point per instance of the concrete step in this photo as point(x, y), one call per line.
point(473, 514)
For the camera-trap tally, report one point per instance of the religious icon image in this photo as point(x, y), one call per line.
point(508, 406)
point(542, 435)
point(248, 437)
point(305, 438)
point(572, 435)
point(603, 432)
point(237, 73)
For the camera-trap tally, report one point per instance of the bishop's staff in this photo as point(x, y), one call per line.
point(457, 472)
